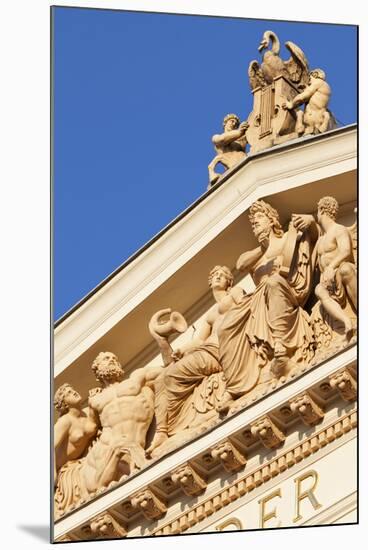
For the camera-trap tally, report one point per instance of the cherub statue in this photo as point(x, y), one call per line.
point(230, 146)
point(316, 118)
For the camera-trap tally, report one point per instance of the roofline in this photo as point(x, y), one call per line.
point(266, 152)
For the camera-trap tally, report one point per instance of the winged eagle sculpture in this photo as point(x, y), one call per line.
point(295, 69)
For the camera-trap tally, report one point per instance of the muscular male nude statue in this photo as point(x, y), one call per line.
point(336, 264)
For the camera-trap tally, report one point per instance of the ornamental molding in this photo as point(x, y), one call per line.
point(236, 428)
point(152, 500)
point(260, 475)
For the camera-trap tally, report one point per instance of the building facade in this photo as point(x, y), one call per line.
point(281, 454)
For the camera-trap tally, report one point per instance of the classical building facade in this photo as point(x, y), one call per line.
point(281, 453)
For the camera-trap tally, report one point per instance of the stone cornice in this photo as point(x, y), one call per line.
point(273, 406)
point(243, 485)
point(260, 475)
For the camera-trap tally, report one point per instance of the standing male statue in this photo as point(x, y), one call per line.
point(338, 285)
point(229, 146)
point(269, 325)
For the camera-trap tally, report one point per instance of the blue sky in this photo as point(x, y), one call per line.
point(137, 98)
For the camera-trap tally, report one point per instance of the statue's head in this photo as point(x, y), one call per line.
point(317, 73)
point(231, 122)
point(327, 206)
point(220, 277)
point(107, 369)
point(264, 219)
point(66, 397)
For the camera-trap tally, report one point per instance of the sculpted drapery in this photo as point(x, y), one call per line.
point(270, 324)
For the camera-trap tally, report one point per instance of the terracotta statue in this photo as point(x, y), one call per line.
point(269, 326)
point(337, 290)
point(229, 146)
point(316, 118)
point(125, 409)
point(200, 357)
point(74, 429)
point(294, 69)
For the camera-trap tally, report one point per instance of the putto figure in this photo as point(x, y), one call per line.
point(337, 290)
point(229, 146)
point(270, 325)
point(316, 118)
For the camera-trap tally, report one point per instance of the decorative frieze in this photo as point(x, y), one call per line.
point(268, 433)
point(260, 475)
point(307, 408)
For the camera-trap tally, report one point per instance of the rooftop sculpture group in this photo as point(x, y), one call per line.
point(246, 342)
point(279, 89)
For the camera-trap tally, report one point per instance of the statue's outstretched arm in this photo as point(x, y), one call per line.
point(304, 96)
point(228, 137)
point(247, 260)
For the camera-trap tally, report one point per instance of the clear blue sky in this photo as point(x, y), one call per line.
point(137, 98)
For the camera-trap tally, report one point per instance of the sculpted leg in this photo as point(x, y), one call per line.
point(211, 169)
point(349, 280)
point(226, 401)
point(160, 414)
point(219, 159)
point(181, 378)
point(334, 309)
point(281, 308)
point(299, 127)
point(102, 466)
point(325, 122)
